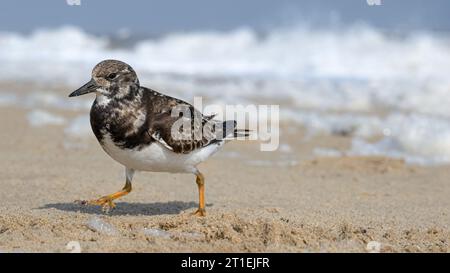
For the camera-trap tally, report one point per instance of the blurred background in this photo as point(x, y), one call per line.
point(350, 78)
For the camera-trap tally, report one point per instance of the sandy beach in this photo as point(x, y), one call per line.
point(286, 201)
point(360, 91)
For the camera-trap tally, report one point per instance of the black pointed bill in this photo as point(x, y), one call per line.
point(89, 87)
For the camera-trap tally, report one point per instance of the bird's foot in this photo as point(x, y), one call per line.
point(200, 212)
point(106, 202)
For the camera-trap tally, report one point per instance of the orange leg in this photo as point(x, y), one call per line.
point(201, 195)
point(106, 202)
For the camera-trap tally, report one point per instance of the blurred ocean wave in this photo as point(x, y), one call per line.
point(358, 79)
point(356, 53)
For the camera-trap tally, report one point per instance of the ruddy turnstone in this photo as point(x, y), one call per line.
point(137, 127)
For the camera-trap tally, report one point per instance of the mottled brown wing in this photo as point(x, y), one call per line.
point(178, 125)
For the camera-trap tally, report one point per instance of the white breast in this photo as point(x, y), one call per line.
point(157, 158)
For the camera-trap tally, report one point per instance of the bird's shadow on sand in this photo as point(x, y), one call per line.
point(125, 208)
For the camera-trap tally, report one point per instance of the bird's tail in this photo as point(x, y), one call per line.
point(241, 132)
point(231, 132)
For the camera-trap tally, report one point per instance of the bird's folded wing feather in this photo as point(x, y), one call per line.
point(179, 127)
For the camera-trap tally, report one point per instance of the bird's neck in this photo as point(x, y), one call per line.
point(102, 100)
point(123, 119)
point(121, 96)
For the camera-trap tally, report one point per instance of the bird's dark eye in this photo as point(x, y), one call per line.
point(111, 76)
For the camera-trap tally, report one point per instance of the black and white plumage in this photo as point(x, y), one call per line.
point(133, 124)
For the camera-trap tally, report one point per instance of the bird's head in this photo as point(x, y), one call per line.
point(110, 78)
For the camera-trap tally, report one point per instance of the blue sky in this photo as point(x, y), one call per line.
point(156, 17)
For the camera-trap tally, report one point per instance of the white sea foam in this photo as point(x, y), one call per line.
point(7, 99)
point(39, 118)
point(79, 127)
point(416, 138)
point(358, 53)
point(54, 100)
point(42, 99)
point(330, 81)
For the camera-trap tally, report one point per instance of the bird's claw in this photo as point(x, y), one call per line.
point(200, 212)
point(105, 202)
